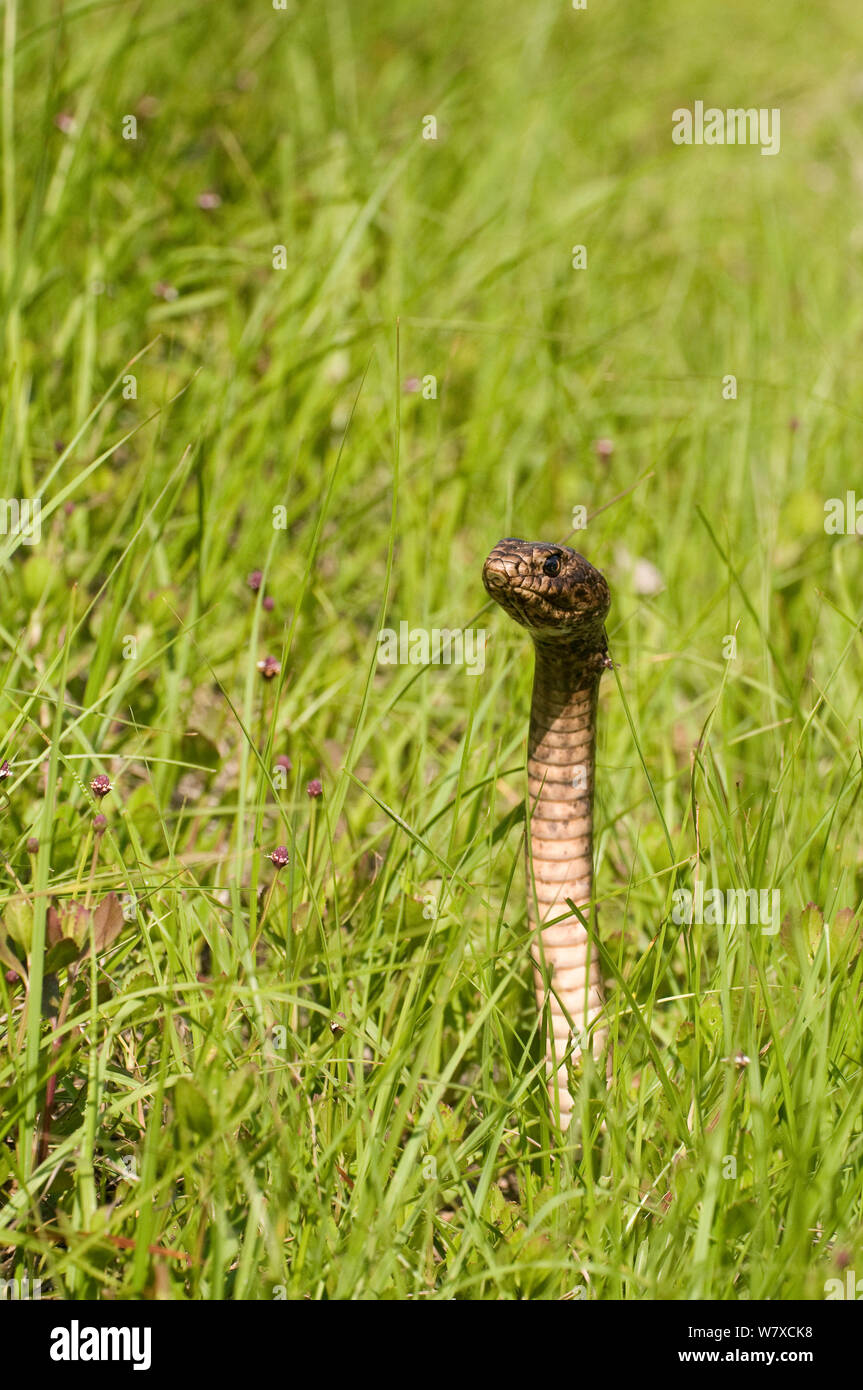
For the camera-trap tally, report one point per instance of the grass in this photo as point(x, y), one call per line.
point(325, 1081)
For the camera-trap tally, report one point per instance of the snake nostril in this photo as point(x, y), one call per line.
point(494, 578)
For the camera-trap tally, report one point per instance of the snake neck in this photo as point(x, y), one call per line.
point(562, 755)
point(559, 846)
point(562, 747)
point(568, 664)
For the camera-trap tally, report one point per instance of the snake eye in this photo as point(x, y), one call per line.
point(551, 566)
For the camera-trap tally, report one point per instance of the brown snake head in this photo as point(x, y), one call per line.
point(551, 590)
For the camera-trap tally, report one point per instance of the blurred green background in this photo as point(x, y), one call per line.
point(237, 311)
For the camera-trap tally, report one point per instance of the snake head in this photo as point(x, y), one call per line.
point(551, 590)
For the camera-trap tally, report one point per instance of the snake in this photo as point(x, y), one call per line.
point(563, 602)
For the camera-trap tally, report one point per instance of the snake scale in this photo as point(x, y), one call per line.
point(563, 602)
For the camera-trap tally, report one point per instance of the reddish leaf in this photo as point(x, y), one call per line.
point(54, 930)
point(108, 922)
